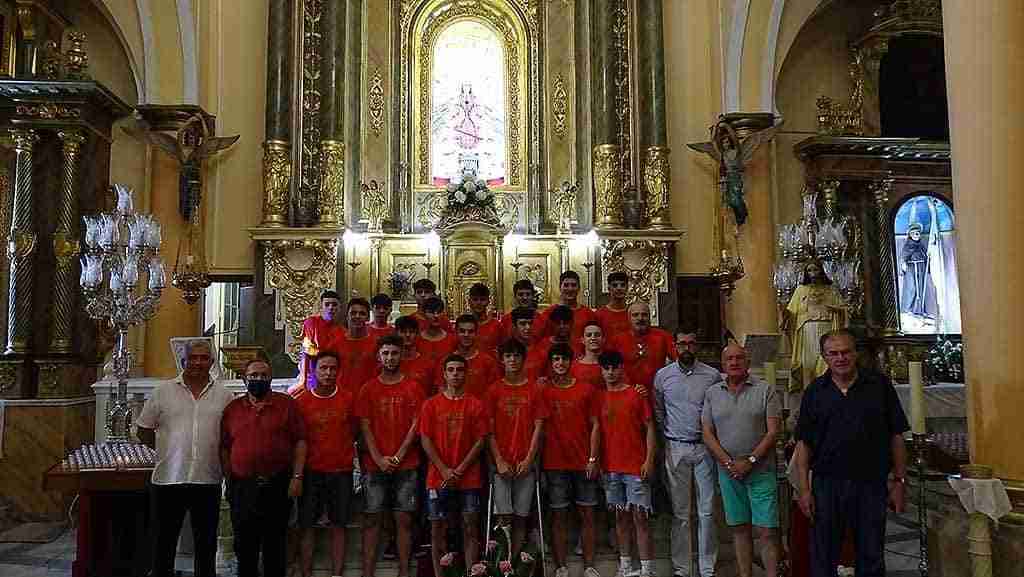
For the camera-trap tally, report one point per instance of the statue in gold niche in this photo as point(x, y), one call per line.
point(815, 309)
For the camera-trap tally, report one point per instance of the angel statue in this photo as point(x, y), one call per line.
point(732, 155)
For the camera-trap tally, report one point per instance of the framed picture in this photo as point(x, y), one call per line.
point(179, 350)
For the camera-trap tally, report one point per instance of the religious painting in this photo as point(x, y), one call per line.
point(467, 116)
point(928, 291)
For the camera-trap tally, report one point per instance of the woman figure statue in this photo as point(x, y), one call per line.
point(815, 308)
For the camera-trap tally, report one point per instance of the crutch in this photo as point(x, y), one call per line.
point(490, 509)
point(540, 524)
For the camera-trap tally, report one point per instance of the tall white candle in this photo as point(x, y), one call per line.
point(916, 397)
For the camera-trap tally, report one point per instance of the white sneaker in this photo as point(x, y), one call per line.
point(590, 572)
point(579, 546)
point(562, 572)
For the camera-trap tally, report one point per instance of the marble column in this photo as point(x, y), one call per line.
point(606, 168)
point(984, 75)
point(654, 194)
point(65, 243)
point(277, 163)
point(331, 201)
point(21, 245)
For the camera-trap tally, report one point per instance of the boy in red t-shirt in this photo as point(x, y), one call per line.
point(358, 350)
point(627, 440)
point(571, 456)
point(320, 332)
point(488, 332)
point(382, 306)
point(388, 409)
point(414, 364)
point(327, 411)
point(517, 422)
point(424, 290)
point(614, 316)
point(568, 295)
point(435, 341)
point(483, 371)
point(453, 428)
point(586, 368)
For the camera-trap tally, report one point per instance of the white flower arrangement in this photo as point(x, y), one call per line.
point(469, 191)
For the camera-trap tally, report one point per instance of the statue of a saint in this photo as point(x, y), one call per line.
point(815, 308)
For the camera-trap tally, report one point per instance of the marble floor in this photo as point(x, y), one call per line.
point(54, 559)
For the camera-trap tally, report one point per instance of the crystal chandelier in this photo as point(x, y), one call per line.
point(122, 279)
point(825, 240)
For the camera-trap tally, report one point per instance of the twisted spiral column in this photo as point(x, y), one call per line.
point(21, 245)
point(889, 314)
point(65, 243)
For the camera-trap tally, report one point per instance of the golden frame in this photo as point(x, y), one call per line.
point(421, 27)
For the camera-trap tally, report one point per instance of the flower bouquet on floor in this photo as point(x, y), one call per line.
point(497, 561)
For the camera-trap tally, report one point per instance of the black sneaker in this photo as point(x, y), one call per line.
point(391, 551)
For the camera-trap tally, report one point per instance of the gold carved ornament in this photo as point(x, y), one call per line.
point(48, 111)
point(332, 183)
point(277, 178)
point(648, 273)
point(622, 18)
point(607, 172)
point(563, 203)
point(559, 107)
point(309, 177)
point(375, 102)
point(834, 119)
point(77, 60)
point(658, 182)
point(374, 201)
point(433, 212)
point(300, 287)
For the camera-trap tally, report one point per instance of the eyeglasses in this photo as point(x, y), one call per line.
point(838, 354)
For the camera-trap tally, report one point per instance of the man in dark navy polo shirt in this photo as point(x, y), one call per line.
point(263, 452)
point(850, 458)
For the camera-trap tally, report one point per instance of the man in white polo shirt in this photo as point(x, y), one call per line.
point(181, 420)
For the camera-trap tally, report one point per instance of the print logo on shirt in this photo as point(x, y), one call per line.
point(453, 422)
point(512, 405)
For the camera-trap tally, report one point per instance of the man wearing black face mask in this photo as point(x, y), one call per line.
point(263, 447)
point(181, 420)
point(679, 390)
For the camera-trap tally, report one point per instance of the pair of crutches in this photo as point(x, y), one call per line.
point(540, 518)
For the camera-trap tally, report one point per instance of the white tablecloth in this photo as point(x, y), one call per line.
point(986, 496)
point(943, 400)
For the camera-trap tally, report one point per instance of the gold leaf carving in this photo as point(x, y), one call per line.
point(657, 181)
point(646, 263)
point(332, 183)
point(375, 102)
point(559, 107)
point(277, 178)
point(375, 205)
point(300, 286)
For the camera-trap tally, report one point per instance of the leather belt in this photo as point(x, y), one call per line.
point(687, 441)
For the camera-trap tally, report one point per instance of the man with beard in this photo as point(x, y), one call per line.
point(358, 349)
point(181, 420)
point(914, 267)
point(644, 348)
point(388, 409)
point(614, 316)
point(263, 447)
point(320, 332)
point(679, 391)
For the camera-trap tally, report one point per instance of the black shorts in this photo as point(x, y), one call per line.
point(326, 499)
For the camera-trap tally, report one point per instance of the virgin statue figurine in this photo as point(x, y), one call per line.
point(815, 308)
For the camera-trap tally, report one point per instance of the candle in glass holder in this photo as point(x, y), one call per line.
point(916, 397)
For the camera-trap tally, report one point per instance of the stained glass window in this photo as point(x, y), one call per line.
point(929, 295)
point(467, 116)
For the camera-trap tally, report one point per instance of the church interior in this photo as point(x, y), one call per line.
point(763, 171)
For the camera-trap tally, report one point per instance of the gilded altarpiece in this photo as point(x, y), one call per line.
point(539, 101)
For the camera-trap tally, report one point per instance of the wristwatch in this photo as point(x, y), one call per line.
point(592, 460)
point(752, 459)
point(297, 476)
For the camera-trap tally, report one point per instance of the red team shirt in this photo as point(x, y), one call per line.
point(581, 315)
point(390, 410)
point(454, 426)
point(537, 356)
point(645, 355)
point(421, 319)
point(377, 332)
point(613, 322)
point(330, 433)
point(623, 416)
point(514, 409)
point(436, 351)
point(421, 371)
point(319, 335)
point(489, 336)
point(567, 441)
point(589, 374)
point(358, 362)
point(481, 373)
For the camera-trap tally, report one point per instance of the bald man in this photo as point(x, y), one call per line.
point(646, 349)
point(740, 421)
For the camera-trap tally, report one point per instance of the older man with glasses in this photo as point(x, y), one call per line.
point(679, 390)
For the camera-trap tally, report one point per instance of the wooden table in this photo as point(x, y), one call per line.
point(113, 519)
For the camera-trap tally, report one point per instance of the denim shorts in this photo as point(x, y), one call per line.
point(514, 495)
point(627, 491)
point(563, 484)
point(397, 489)
point(753, 500)
point(441, 502)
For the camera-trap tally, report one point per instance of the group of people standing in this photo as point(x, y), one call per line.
point(447, 418)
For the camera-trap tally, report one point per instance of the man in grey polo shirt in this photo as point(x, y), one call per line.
point(679, 390)
point(740, 420)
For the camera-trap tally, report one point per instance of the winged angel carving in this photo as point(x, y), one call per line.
point(733, 154)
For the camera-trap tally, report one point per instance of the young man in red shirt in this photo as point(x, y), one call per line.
point(614, 316)
point(571, 457)
point(453, 429)
point(319, 332)
point(488, 332)
point(388, 410)
point(568, 291)
point(645, 349)
point(414, 364)
point(358, 350)
point(435, 341)
point(382, 306)
point(525, 297)
point(561, 321)
point(517, 422)
point(327, 411)
point(483, 371)
point(586, 368)
point(522, 332)
point(627, 440)
point(425, 289)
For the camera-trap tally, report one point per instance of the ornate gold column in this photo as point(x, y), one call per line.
point(655, 188)
point(331, 201)
point(21, 245)
point(65, 244)
point(607, 172)
point(277, 162)
point(658, 186)
point(888, 315)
